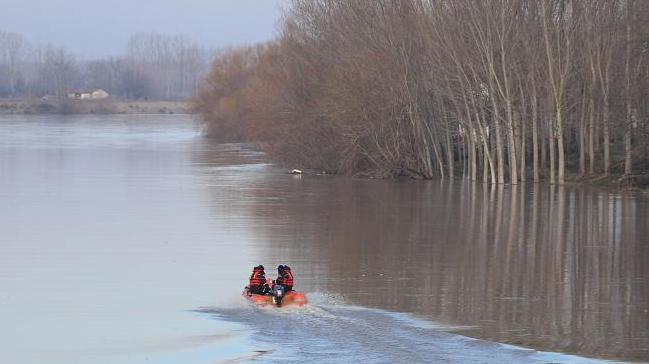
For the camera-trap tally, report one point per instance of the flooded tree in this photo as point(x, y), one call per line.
point(497, 91)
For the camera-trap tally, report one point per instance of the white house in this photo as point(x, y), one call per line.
point(98, 94)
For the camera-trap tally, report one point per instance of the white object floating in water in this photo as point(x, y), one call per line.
point(296, 171)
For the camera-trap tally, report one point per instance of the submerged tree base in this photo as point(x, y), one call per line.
point(635, 182)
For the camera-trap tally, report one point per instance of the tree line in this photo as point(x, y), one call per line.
point(499, 91)
point(155, 66)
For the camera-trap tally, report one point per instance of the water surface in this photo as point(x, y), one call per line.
point(127, 239)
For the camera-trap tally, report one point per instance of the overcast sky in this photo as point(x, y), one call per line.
point(97, 28)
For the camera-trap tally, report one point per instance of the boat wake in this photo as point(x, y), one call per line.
point(329, 331)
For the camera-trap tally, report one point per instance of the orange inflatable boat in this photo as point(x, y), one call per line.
point(277, 297)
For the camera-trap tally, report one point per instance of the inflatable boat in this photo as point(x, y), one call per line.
point(277, 297)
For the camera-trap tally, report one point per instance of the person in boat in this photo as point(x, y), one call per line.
point(285, 277)
point(257, 283)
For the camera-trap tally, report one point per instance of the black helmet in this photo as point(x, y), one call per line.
point(280, 268)
point(261, 267)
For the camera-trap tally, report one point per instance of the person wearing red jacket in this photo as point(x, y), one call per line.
point(257, 283)
point(285, 277)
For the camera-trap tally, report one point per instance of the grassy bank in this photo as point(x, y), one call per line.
point(39, 106)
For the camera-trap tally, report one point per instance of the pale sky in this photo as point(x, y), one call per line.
point(95, 28)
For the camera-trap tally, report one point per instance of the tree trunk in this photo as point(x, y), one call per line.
point(450, 158)
point(486, 145)
point(522, 153)
point(449, 153)
point(544, 139)
point(562, 160)
point(511, 140)
point(485, 165)
point(591, 134)
point(522, 144)
point(606, 136)
point(535, 134)
point(627, 91)
point(464, 157)
point(472, 155)
point(582, 136)
point(433, 141)
point(500, 155)
point(551, 149)
point(627, 140)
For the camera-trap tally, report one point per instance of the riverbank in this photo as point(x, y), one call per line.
point(109, 106)
point(638, 182)
point(633, 183)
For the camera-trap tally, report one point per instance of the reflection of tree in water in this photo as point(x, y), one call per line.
point(542, 266)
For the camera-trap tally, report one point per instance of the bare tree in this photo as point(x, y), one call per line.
point(12, 47)
point(436, 88)
point(57, 71)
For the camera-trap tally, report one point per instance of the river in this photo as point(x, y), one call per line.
point(127, 239)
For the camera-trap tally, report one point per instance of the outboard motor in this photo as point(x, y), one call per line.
point(278, 294)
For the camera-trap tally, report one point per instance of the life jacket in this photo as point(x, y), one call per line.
point(287, 278)
point(257, 278)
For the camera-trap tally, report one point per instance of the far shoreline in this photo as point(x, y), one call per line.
point(636, 183)
point(37, 106)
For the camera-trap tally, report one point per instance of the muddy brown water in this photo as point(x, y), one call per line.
point(556, 268)
point(128, 239)
point(563, 269)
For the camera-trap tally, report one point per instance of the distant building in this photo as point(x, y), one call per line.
point(99, 94)
point(78, 95)
point(88, 95)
